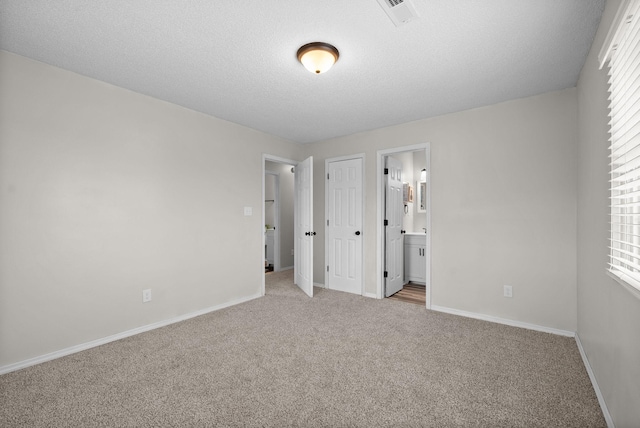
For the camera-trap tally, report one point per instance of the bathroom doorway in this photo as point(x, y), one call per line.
point(278, 216)
point(292, 217)
point(404, 236)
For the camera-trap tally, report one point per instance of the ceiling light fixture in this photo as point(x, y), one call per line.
point(318, 57)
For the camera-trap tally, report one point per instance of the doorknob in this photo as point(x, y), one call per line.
point(307, 233)
point(358, 233)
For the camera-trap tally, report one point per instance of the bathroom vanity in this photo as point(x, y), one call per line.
point(415, 258)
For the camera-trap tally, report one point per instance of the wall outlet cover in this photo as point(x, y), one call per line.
point(508, 291)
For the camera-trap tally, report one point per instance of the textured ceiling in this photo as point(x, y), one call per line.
point(237, 60)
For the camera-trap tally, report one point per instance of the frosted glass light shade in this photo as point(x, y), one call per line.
point(318, 57)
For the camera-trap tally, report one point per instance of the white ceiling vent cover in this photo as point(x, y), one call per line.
point(400, 11)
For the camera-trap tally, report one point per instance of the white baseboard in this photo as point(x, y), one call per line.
point(503, 321)
point(603, 405)
point(370, 295)
point(318, 284)
point(286, 268)
point(84, 346)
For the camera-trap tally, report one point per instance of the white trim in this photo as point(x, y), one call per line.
point(613, 34)
point(98, 342)
point(603, 405)
point(278, 159)
point(286, 268)
point(380, 216)
point(370, 295)
point(504, 321)
point(633, 290)
point(319, 284)
point(327, 161)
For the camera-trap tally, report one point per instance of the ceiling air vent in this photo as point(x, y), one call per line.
point(400, 11)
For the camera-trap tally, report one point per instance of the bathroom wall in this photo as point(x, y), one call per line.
point(419, 162)
point(407, 177)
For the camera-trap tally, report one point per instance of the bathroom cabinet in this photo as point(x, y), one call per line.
point(415, 258)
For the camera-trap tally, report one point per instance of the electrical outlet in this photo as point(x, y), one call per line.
point(146, 295)
point(508, 291)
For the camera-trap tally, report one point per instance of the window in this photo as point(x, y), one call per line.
point(621, 54)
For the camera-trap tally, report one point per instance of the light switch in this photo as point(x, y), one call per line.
point(248, 211)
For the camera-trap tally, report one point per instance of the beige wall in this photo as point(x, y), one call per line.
point(608, 314)
point(104, 193)
point(503, 206)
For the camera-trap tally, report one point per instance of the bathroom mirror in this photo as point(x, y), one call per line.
point(422, 196)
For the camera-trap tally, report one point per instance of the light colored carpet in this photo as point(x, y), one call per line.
point(337, 360)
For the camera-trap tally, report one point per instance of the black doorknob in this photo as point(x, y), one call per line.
point(358, 233)
point(308, 233)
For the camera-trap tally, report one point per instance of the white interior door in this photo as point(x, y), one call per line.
point(303, 259)
point(394, 243)
point(344, 228)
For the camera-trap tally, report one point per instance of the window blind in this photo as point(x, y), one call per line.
point(622, 54)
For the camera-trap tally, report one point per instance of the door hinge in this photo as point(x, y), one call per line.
point(327, 268)
point(386, 274)
point(386, 222)
point(327, 222)
point(386, 171)
point(327, 176)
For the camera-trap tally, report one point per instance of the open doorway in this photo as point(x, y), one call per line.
point(287, 189)
point(278, 216)
point(404, 236)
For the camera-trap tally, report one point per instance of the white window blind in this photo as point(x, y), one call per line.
point(622, 54)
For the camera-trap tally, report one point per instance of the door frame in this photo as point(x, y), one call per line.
point(267, 157)
point(360, 156)
point(381, 154)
